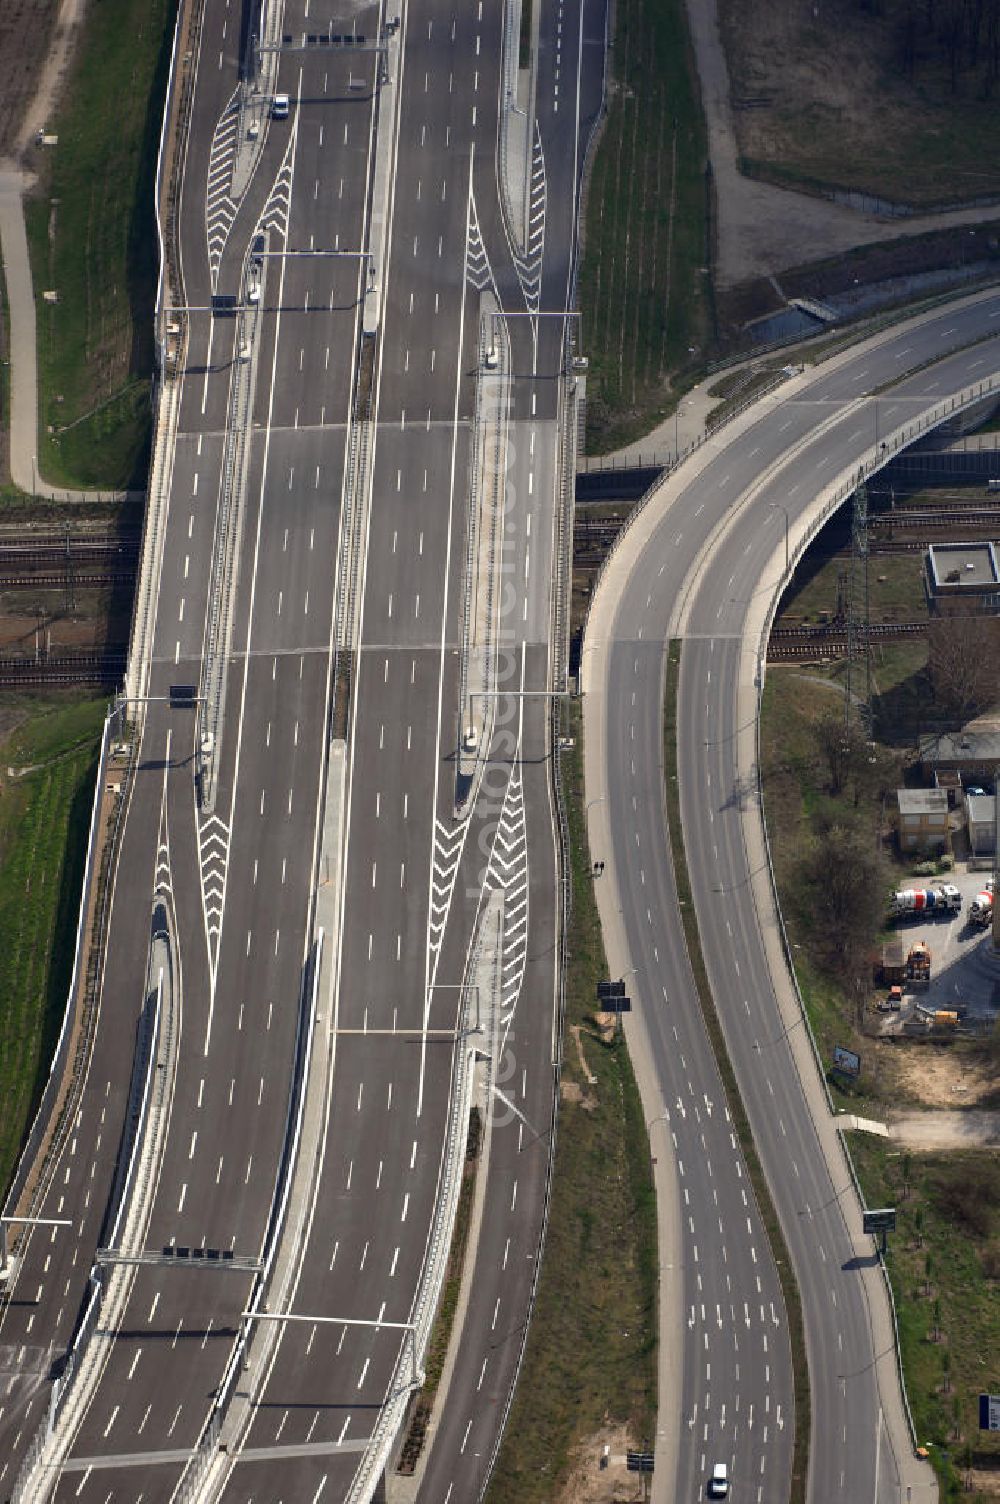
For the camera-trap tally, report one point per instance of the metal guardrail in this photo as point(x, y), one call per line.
point(643, 502)
point(160, 154)
point(228, 525)
point(565, 884)
point(348, 554)
point(511, 62)
point(169, 290)
point(205, 1452)
point(851, 330)
point(424, 1308)
point(563, 562)
point(902, 437)
point(30, 1489)
point(60, 1058)
point(161, 472)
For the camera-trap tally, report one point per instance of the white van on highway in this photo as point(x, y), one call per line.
point(718, 1484)
point(279, 107)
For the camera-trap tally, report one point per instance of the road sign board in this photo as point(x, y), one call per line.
point(616, 1005)
point(879, 1219)
point(639, 1462)
point(610, 989)
point(989, 1412)
point(846, 1061)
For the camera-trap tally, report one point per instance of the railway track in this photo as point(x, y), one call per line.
point(591, 542)
point(102, 668)
point(799, 644)
point(56, 542)
point(104, 579)
point(985, 515)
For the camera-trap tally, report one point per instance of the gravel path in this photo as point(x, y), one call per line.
point(974, 1128)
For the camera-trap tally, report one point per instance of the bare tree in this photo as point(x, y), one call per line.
point(992, 27)
point(852, 761)
point(906, 41)
point(962, 663)
point(844, 881)
point(951, 35)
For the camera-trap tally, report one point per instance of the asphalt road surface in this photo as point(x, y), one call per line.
point(238, 879)
point(779, 463)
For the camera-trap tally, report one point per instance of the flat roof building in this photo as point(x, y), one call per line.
point(963, 577)
point(923, 819)
point(981, 815)
point(973, 751)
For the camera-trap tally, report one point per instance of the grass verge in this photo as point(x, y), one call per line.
point(44, 818)
point(590, 1358)
point(4, 383)
point(769, 1217)
point(437, 1348)
point(92, 240)
point(645, 286)
point(944, 1263)
point(524, 38)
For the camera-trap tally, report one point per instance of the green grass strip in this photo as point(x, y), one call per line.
point(44, 821)
point(645, 277)
point(524, 39)
point(437, 1347)
point(92, 239)
point(590, 1359)
point(943, 1262)
point(769, 1216)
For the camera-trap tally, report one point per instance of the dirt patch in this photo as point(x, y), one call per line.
point(763, 92)
point(589, 1483)
point(947, 1130)
point(27, 29)
point(879, 98)
point(944, 1077)
point(95, 621)
point(986, 1481)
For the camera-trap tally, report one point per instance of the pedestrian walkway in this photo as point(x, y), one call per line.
point(685, 428)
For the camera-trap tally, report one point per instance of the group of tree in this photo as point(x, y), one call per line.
point(962, 36)
point(963, 663)
point(842, 874)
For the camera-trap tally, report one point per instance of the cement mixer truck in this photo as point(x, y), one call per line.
point(981, 908)
point(928, 901)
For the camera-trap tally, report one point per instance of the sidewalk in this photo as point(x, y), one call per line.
point(680, 432)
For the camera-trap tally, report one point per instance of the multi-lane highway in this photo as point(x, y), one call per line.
point(223, 828)
point(394, 428)
point(702, 562)
point(237, 880)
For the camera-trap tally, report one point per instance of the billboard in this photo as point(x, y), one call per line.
point(879, 1219)
point(989, 1412)
point(846, 1061)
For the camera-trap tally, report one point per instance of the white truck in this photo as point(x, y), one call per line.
point(981, 907)
point(944, 899)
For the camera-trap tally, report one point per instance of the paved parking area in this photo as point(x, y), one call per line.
point(964, 970)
